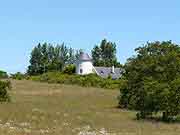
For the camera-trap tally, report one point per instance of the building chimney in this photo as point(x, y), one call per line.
point(112, 70)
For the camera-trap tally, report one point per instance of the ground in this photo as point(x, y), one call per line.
point(51, 109)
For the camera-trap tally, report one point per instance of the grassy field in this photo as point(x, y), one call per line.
point(50, 109)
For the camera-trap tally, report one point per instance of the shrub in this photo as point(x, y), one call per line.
point(91, 80)
point(19, 76)
point(70, 69)
point(3, 75)
point(4, 87)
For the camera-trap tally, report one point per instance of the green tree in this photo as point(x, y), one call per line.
point(96, 55)
point(44, 57)
point(152, 79)
point(35, 61)
point(105, 54)
point(71, 56)
point(47, 57)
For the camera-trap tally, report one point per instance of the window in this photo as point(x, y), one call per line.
point(102, 72)
point(81, 71)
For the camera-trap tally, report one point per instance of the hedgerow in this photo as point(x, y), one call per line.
point(90, 80)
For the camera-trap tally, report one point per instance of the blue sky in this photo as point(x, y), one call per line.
point(82, 24)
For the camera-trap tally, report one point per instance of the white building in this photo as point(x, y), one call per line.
point(85, 66)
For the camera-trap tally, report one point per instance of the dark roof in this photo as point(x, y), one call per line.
point(84, 56)
point(104, 72)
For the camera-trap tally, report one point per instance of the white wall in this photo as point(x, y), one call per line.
point(86, 67)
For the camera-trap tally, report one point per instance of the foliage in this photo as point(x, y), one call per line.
point(90, 80)
point(19, 76)
point(152, 80)
point(48, 57)
point(4, 87)
point(69, 69)
point(105, 54)
point(3, 75)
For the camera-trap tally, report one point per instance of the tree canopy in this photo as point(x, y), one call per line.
point(152, 80)
point(47, 57)
point(105, 54)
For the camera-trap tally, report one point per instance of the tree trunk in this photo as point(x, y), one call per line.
point(165, 116)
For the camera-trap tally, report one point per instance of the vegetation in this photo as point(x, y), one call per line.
point(47, 57)
point(3, 75)
point(91, 80)
point(70, 69)
point(105, 54)
point(152, 81)
point(50, 63)
point(55, 109)
point(19, 76)
point(4, 87)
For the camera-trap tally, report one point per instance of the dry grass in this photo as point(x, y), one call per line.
point(50, 109)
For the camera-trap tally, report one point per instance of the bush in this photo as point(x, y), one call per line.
point(70, 69)
point(3, 75)
point(4, 87)
point(19, 76)
point(91, 80)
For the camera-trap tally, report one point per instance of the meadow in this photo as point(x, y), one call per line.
point(55, 109)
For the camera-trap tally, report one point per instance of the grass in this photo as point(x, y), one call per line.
point(52, 109)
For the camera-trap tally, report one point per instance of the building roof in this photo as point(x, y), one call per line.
point(85, 57)
point(104, 72)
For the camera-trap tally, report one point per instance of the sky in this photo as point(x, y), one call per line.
point(82, 24)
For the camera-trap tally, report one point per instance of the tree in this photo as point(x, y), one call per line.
point(105, 54)
point(96, 55)
point(152, 80)
point(48, 57)
point(71, 56)
point(35, 61)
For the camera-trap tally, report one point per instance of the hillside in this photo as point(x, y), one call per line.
point(52, 109)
